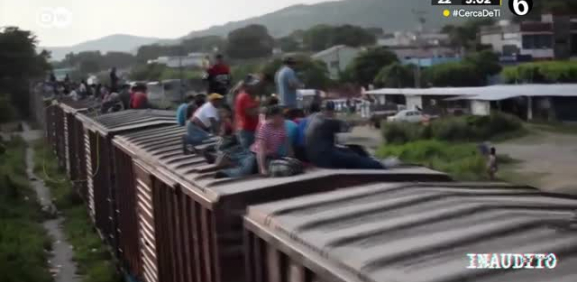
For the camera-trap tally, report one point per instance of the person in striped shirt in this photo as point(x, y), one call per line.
point(270, 137)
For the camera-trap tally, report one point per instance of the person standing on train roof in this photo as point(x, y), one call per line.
point(218, 77)
point(246, 111)
point(181, 112)
point(204, 122)
point(287, 84)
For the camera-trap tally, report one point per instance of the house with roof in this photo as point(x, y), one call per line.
point(337, 58)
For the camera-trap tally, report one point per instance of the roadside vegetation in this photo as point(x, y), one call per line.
point(24, 244)
point(92, 257)
point(450, 144)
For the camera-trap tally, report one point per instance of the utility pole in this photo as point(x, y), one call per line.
point(420, 16)
point(181, 73)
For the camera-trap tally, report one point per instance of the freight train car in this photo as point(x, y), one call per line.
point(101, 179)
point(190, 224)
point(425, 232)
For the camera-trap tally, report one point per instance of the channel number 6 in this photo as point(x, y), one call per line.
point(520, 7)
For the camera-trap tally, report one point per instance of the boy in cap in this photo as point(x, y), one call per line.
point(287, 84)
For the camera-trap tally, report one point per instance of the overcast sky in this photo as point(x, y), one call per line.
point(67, 22)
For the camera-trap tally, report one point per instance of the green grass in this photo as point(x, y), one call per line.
point(23, 240)
point(554, 127)
point(92, 257)
point(460, 160)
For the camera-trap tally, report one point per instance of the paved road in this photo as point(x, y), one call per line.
point(549, 160)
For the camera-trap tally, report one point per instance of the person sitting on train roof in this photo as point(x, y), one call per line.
point(321, 148)
point(299, 147)
point(204, 122)
point(183, 109)
point(140, 98)
point(270, 137)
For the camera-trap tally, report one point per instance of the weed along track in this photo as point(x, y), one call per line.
point(62, 266)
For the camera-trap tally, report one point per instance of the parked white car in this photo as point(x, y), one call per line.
point(407, 116)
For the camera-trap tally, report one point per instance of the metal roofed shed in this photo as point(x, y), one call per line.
point(417, 232)
point(100, 162)
point(190, 224)
point(528, 101)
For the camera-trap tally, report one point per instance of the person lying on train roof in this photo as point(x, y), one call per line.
point(320, 145)
point(204, 122)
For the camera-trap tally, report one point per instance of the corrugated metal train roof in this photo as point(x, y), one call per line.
point(422, 232)
point(128, 119)
point(162, 148)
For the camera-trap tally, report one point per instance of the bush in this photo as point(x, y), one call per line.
point(7, 112)
point(466, 128)
point(454, 75)
point(395, 76)
point(461, 161)
point(541, 72)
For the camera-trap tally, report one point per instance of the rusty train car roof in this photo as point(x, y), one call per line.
point(71, 106)
point(127, 120)
point(161, 149)
point(421, 232)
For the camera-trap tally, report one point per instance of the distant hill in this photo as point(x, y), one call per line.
point(391, 15)
point(116, 42)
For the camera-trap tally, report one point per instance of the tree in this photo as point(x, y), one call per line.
point(396, 76)
point(454, 75)
point(367, 65)
point(89, 67)
point(322, 37)
point(250, 42)
point(19, 62)
point(288, 44)
point(465, 36)
point(148, 72)
point(203, 44)
point(485, 62)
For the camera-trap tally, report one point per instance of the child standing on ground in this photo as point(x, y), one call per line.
point(492, 163)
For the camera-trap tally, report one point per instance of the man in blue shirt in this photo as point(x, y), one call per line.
point(182, 110)
point(287, 84)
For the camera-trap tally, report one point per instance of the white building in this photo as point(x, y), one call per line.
point(551, 38)
point(337, 58)
point(191, 60)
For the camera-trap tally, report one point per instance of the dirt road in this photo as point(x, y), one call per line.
point(549, 161)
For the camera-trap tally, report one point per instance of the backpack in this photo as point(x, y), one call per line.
point(285, 167)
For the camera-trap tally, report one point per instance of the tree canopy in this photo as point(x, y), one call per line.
point(322, 37)
point(396, 75)
point(19, 62)
point(250, 42)
point(367, 65)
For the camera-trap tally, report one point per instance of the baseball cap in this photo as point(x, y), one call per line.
point(215, 96)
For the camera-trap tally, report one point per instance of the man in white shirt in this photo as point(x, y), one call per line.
point(204, 122)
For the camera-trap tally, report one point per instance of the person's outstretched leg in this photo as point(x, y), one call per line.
point(346, 159)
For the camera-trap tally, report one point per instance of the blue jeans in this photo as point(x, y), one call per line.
point(246, 138)
point(246, 164)
point(338, 158)
point(194, 135)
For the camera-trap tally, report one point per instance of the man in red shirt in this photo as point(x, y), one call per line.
point(140, 98)
point(219, 78)
point(246, 111)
